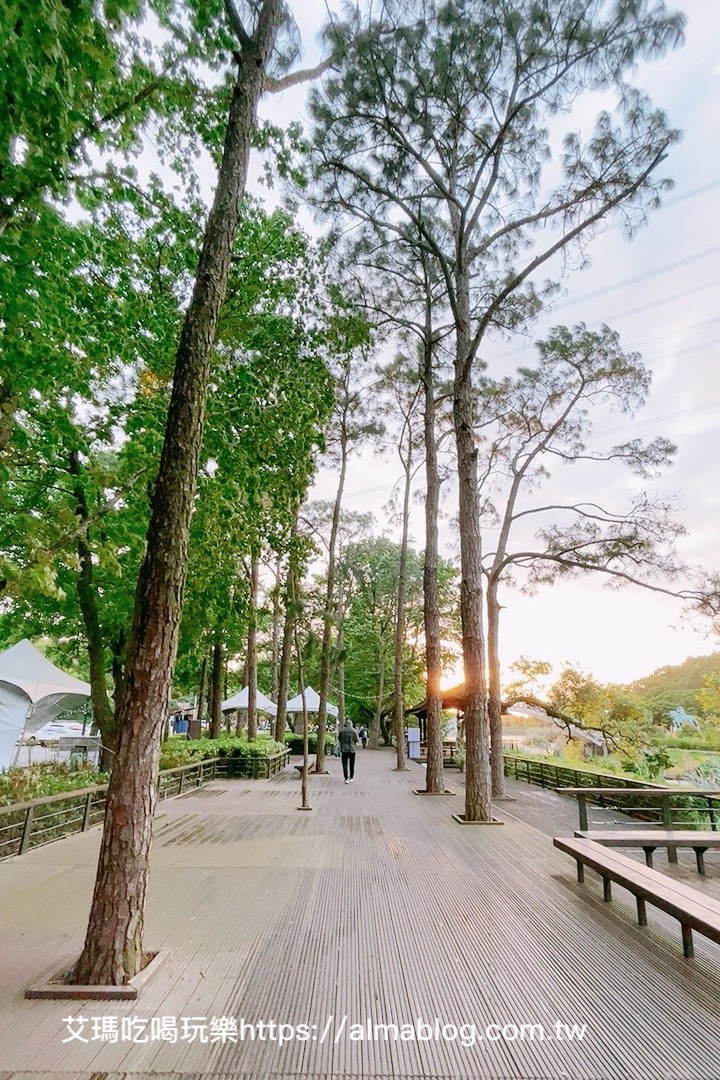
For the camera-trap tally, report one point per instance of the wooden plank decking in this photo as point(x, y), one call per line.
point(375, 905)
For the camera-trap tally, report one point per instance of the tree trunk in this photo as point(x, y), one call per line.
point(252, 651)
point(434, 778)
point(284, 677)
point(216, 685)
point(494, 701)
point(399, 704)
point(288, 635)
point(87, 601)
point(304, 805)
point(374, 732)
point(8, 409)
point(341, 653)
point(117, 668)
point(478, 803)
point(113, 949)
point(329, 612)
point(276, 619)
point(201, 688)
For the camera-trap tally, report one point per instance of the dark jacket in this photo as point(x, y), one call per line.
point(347, 737)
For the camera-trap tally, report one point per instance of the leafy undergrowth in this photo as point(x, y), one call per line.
point(181, 751)
point(294, 742)
point(51, 778)
point(37, 781)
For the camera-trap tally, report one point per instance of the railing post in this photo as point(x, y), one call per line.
point(26, 830)
point(86, 815)
point(199, 775)
point(214, 769)
point(582, 810)
point(180, 785)
point(711, 811)
point(667, 824)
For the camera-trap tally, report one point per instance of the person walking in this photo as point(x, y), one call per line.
point(363, 733)
point(347, 737)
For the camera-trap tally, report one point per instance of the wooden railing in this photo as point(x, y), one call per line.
point(39, 821)
point(668, 807)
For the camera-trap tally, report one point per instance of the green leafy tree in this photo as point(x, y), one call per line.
point(437, 129)
point(113, 949)
point(709, 696)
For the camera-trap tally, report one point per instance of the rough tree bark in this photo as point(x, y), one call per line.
point(341, 653)
point(434, 779)
point(398, 704)
point(201, 688)
point(329, 609)
point(87, 600)
point(288, 633)
point(113, 950)
point(216, 687)
point(252, 650)
point(478, 802)
point(375, 728)
point(276, 620)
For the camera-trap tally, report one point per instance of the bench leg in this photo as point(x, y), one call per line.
point(581, 872)
point(700, 857)
point(607, 890)
point(688, 949)
point(649, 856)
point(642, 913)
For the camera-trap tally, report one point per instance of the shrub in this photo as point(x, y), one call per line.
point(178, 750)
point(294, 742)
point(48, 778)
point(706, 740)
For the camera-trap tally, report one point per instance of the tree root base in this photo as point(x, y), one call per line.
point(417, 791)
point(57, 988)
point(460, 818)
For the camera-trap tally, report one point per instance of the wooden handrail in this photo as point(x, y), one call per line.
point(30, 808)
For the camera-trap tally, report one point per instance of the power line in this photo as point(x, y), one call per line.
point(664, 300)
point(673, 333)
point(685, 261)
point(661, 419)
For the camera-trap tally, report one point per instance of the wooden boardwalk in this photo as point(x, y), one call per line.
point(374, 907)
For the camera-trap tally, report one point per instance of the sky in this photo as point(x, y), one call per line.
point(661, 293)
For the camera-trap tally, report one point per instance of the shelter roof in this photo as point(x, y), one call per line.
point(312, 703)
point(24, 666)
point(240, 701)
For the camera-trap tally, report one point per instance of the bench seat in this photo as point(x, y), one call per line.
point(693, 910)
point(650, 839)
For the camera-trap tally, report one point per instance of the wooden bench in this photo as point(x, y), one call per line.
point(650, 839)
point(692, 909)
point(448, 747)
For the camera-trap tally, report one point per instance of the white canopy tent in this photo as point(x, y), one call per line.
point(33, 691)
point(312, 703)
point(240, 701)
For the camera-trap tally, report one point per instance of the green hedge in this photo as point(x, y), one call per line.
point(707, 740)
point(48, 778)
point(181, 751)
point(294, 742)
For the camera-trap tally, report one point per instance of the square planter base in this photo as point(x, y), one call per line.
point(418, 792)
point(460, 818)
point(57, 988)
